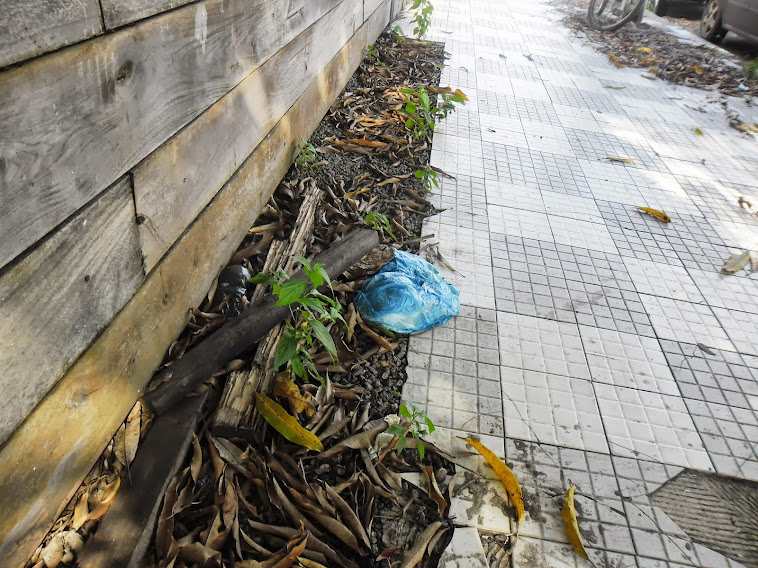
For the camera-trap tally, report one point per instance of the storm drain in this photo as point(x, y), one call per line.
point(718, 512)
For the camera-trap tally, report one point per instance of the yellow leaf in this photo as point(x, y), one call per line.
point(643, 50)
point(748, 128)
point(655, 213)
point(285, 387)
point(572, 527)
point(504, 474)
point(699, 132)
point(736, 262)
point(698, 70)
point(285, 424)
point(615, 60)
point(653, 70)
point(622, 160)
point(80, 512)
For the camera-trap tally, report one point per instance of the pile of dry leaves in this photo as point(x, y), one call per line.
point(248, 496)
point(664, 56)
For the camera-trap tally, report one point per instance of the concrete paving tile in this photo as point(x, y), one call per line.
point(627, 360)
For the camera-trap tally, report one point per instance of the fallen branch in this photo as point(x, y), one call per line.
point(238, 334)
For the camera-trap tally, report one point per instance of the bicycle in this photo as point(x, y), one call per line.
point(610, 15)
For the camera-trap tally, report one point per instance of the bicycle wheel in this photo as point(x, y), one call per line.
point(609, 15)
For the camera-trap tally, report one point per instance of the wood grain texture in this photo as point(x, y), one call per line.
point(71, 123)
point(174, 183)
point(33, 27)
point(370, 6)
point(117, 13)
point(126, 531)
point(44, 461)
point(57, 299)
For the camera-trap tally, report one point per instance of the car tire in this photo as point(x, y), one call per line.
point(660, 7)
point(710, 24)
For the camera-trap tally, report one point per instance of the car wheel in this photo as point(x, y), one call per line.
point(661, 7)
point(710, 25)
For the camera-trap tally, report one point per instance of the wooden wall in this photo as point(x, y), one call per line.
point(139, 140)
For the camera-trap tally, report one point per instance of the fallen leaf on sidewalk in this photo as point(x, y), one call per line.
point(706, 349)
point(615, 60)
point(655, 213)
point(699, 132)
point(504, 474)
point(744, 203)
point(736, 262)
point(572, 527)
point(622, 160)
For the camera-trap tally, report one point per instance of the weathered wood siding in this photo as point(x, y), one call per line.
point(61, 295)
point(131, 165)
point(29, 28)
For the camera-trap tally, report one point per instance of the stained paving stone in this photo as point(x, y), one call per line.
point(596, 345)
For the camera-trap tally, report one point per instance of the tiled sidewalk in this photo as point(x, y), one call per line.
point(576, 353)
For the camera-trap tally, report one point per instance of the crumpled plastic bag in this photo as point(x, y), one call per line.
point(407, 295)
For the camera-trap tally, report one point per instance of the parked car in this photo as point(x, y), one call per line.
point(661, 7)
point(722, 16)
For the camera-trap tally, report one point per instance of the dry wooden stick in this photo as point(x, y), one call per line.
point(199, 364)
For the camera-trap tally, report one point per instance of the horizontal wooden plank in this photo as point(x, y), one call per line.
point(370, 6)
point(33, 27)
point(57, 299)
point(43, 462)
point(71, 123)
point(175, 182)
point(117, 13)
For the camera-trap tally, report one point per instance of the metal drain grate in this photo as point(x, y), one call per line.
point(718, 512)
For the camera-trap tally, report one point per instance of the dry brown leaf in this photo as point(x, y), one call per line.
point(416, 553)
point(348, 516)
point(744, 203)
point(622, 160)
point(285, 387)
point(434, 490)
point(197, 459)
point(504, 474)
point(736, 262)
point(81, 510)
point(572, 527)
point(132, 433)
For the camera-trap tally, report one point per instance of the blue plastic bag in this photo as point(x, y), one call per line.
point(407, 295)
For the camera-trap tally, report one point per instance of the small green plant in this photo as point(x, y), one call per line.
point(417, 424)
point(307, 157)
point(397, 32)
point(751, 69)
point(379, 222)
point(422, 116)
point(373, 55)
point(428, 176)
point(311, 313)
point(422, 17)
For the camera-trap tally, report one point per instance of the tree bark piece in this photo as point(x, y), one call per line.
point(211, 355)
point(237, 401)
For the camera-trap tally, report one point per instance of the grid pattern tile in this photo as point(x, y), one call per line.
point(597, 345)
